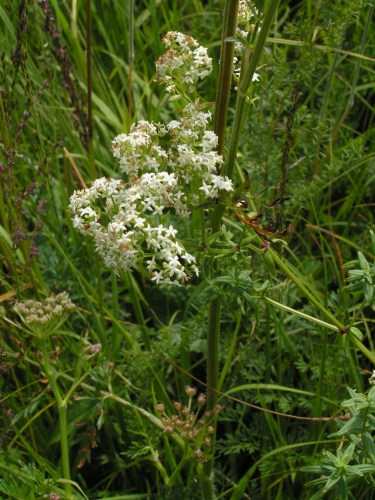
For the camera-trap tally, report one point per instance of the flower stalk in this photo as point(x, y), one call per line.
point(63, 422)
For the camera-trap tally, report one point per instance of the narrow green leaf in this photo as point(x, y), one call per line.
point(332, 480)
point(342, 489)
point(365, 266)
point(353, 426)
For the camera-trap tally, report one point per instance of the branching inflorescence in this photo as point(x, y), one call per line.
point(124, 218)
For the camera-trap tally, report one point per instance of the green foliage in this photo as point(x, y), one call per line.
point(153, 341)
point(29, 482)
point(341, 472)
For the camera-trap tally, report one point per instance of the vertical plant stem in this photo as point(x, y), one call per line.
point(229, 27)
point(221, 109)
point(63, 423)
point(115, 311)
point(137, 309)
point(131, 59)
point(91, 146)
point(230, 352)
point(89, 91)
point(65, 449)
point(225, 71)
point(250, 61)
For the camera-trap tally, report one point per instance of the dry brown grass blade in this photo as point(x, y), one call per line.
point(12, 293)
point(75, 168)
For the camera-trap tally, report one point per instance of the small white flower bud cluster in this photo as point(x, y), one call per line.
point(245, 25)
point(121, 217)
point(44, 317)
point(246, 20)
point(181, 67)
point(190, 425)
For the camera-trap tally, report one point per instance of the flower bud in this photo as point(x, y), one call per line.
point(207, 440)
point(168, 430)
point(190, 391)
point(201, 400)
point(160, 407)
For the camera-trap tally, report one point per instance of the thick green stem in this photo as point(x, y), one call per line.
point(229, 28)
point(225, 71)
point(65, 449)
point(250, 63)
point(89, 91)
point(62, 406)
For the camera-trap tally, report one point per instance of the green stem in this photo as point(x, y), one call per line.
point(63, 423)
point(74, 387)
point(225, 71)
point(131, 59)
point(301, 314)
point(304, 290)
point(115, 311)
point(230, 353)
point(360, 309)
point(184, 460)
point(342, 329)
point(100, 292)
point(250, 67)
point(63, 420)
point(89, 91)
point(212, 385)
point(137, 309)
point(229, 27)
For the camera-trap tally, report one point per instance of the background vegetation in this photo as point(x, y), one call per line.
point(317, 72)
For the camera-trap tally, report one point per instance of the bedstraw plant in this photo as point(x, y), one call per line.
point(217, 314)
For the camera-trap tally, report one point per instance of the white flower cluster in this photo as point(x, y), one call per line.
point(181, 67)
point(118, 217)
point(246, 20)
point(190, 157)
point(124, 219)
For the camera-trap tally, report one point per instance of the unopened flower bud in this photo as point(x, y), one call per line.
point(217, 409)
point(207, 440)
point(201, 400)
point(168, 430)
point(160, 407)
point(177, 405)
point(190, 391)
point(210, 429)
point(92, 350)
point(54, 496)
